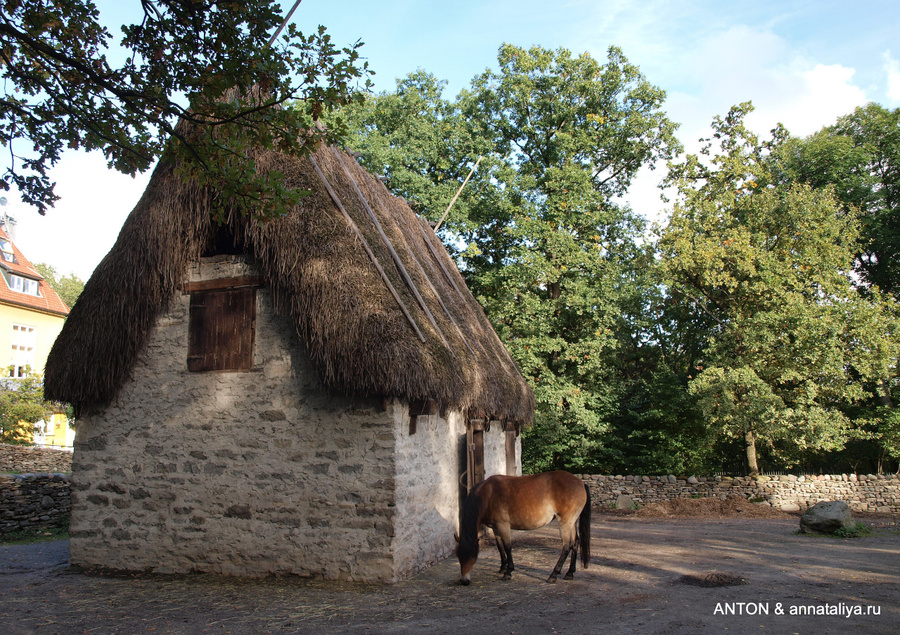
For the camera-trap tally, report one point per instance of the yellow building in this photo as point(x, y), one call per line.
point(55, 432)
point(31, 316)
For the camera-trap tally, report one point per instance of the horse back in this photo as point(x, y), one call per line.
point(533, 500)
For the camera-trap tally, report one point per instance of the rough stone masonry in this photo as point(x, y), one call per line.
point(261, 472)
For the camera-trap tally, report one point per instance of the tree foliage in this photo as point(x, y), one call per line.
point(68, 287)
point(182, 59)
point(545, 248)
point(859, 158)
point(21, 406)
point(794, 345)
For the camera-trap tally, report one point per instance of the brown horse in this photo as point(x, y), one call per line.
point(526, 502)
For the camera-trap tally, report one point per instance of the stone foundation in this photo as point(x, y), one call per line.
point(261, 472)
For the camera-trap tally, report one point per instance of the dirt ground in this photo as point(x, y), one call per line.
point(693, 569)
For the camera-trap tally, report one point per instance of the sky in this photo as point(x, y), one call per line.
point(801, 63)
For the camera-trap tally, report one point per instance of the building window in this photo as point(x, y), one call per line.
point(221, 331)
point(6, 251)
point(22, 358)
point(24, 285)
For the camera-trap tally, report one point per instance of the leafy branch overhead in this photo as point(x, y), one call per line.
point(205, 62)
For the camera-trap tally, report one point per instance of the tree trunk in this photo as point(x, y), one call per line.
point(751, 453)
point(884, 395)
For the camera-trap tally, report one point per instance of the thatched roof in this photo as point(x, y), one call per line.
point(362, 338)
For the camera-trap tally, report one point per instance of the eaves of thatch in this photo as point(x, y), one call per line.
point(411, 330)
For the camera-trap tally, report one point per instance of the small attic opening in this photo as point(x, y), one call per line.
point(224, 241)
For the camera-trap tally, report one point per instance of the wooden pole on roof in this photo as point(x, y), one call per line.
point(455, 196)
point(288, 17)
point(365, 244)
point(387, 242)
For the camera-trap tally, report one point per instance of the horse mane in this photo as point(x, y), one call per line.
point(468, 530)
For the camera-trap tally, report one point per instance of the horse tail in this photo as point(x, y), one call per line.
point(467, 548)
point(584, 529)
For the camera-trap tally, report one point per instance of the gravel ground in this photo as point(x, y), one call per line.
point(683, 574)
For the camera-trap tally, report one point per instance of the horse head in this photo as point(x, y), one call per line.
point(467, 549)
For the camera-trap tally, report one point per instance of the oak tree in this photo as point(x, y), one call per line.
point(795, 344)
point(211, 63)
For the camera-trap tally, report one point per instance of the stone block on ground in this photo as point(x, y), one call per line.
point(624, 501)
point(826, 517)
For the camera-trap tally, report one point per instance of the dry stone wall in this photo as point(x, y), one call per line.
point(864, 493)
point(31, 501)
point(25, 459)
point(261, 472)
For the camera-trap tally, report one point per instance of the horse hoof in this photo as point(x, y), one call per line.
point(465, 582)
point(552, 579)
point(568, 576)
point(506, 578)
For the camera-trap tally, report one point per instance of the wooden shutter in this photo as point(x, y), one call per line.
point(222, 329)
point(511, 467)
point(475, 453)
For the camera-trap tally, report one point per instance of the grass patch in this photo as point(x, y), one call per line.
point(856, 531)
point(57, 531)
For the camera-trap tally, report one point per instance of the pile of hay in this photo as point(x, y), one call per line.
point(731, 507)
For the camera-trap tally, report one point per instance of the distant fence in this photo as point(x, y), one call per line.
point(863, 492)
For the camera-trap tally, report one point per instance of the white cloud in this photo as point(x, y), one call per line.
point(807, 100)
point(892, 68)
point(743, 64)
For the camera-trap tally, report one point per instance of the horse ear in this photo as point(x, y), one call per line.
point(456, 537)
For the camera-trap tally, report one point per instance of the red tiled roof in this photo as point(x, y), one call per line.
point(48, 301)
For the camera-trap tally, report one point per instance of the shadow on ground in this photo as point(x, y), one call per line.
point(648, 575)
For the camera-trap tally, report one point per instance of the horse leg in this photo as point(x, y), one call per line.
point(567, 534)
point(571, 572)
point(504, 544)
point(502, 549)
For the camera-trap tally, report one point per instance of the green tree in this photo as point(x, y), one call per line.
point(182, 62)
point(67, 287)
point(553, 265)
point(545, 248)
point(794, 344)
point(659, 428)
point(859, 157)
point(21, 406)
point(421, 145)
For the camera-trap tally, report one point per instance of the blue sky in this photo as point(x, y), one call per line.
point(801, 63)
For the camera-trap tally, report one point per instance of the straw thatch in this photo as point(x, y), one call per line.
point(316, 265)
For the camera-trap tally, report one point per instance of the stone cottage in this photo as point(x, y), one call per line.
point(310, 395)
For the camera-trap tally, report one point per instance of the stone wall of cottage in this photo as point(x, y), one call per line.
point(864, 493)
point(27, 459)
point(262, 472)
point(248, 473)
point(428, 492)
point(32, 501)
